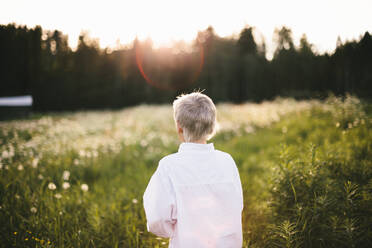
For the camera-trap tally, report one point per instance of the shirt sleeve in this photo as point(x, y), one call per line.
point(160, 205)
point(239, 186)
point(237, 183)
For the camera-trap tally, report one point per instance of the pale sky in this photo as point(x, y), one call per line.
point(166, 20)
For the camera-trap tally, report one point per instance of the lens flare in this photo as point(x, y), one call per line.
point(174, 85)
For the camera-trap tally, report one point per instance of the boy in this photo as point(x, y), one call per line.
point(195, 196)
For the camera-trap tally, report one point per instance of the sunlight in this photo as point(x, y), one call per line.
point(166, 21)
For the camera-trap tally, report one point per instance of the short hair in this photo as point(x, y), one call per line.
point(196, 114)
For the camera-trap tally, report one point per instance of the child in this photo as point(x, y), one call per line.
point(195, 196)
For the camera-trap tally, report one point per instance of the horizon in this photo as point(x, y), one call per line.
point(168, 22)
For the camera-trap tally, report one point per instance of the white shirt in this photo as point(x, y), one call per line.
point(195, 198)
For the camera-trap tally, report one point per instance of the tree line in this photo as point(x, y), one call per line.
point(41, 63)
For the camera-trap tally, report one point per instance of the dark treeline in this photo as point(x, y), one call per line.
point(41, 63)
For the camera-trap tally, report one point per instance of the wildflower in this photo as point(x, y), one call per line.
point(337, 124)
point(41, 177)
point(15, 233)
point(17, 196)
point(26, 239)
point(66, 175)
point(20, 167)
point(35, 162)
point(33, 210)
point(11, 152)
point(135, 201)
point(5, 154)
point(52, 186)
point(84, 187)
point(76, 161)
point(60, 213)
point(82, 153)
point(58, 196)
point(284, 129)
point(163, 243)
point(65, 185)
point(249, 129)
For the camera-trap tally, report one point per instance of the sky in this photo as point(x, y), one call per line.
point(164, 21)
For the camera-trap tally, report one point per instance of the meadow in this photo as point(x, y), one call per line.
point(77, 179)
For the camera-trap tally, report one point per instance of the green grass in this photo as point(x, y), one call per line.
point(307, 176)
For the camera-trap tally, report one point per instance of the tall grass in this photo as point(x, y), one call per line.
point(77, 179)
point(321, 187)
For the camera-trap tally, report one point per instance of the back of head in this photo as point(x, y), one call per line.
point(196, 114)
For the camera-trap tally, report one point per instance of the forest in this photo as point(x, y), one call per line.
point(41, 63)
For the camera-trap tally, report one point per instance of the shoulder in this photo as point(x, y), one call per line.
point(167, 161)
point(224, 155)
point(169, 158)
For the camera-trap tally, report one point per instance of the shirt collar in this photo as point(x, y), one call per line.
point(188, 146)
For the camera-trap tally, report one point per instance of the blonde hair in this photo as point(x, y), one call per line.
point(196, 114)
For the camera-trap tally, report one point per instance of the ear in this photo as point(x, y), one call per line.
point(179, 128)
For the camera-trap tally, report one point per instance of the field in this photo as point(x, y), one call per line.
point(77, 179)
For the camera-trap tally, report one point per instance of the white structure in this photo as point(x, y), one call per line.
point(15, 107)
point(16, 101)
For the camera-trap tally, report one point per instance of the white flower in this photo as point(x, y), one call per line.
point(20, 167)
point(65, 185)
point(5, 154)
point(66, 175)
point(82, 153)
point(76, 161)
point(35, 161)
point(135, 201)
point(41, 177)
point(58, 196)
point(52, 186)
point(33, 210)
point(84, 187)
